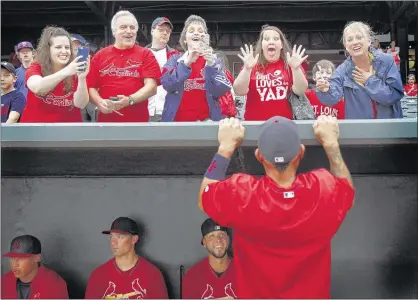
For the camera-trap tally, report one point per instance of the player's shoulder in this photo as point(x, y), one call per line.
point(149, 266)
point(317, 173)
point(197, 269)
point(317, 178)
point(104, 267)
point(7, 277)
point(243, 179)
point(48, 274)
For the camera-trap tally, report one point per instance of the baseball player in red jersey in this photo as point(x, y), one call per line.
point(214, 276)
point(127, 275)
point(283, 222)
point(28, 278)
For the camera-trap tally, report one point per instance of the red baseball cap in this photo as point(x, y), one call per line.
point(24, 246)
point(160, 21)
point(23, 45)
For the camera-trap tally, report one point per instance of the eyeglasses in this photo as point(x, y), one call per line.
point(161, 30)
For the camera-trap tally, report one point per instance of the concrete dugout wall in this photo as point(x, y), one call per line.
point(65, 184)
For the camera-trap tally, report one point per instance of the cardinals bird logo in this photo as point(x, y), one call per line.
point(229, 292)
point(138, 291)
point(208, 293)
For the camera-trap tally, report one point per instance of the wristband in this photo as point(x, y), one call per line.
point(218, 167)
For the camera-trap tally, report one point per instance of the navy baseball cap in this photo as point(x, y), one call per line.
point(24, 246)
point(23, 45)
point(77, 37)
point(9, 67)
point(209, 226)
point(123, 225)
point(279, 140)
point(160, 21)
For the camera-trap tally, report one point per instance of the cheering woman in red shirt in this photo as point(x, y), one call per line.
point(269, 75)
point(411, 89)
point(195, 80)
point(56, 81)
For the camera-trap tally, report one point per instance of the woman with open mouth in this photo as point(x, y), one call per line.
point(368, 79)
point(269, 75)
point(411, 89)
point(56, 81)
point(195, 80)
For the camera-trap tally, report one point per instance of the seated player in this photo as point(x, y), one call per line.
point(127, 275)
point(212, 277)
point(28, 278)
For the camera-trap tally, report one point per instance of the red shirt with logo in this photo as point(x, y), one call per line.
point(56, 106)
point(115, 72)
point(201, 282)
point(411, 89)
point(143, 281)
point(282, 236)
point(268, 92)
point(194, 106)
point(319, 108)
point(47, 284)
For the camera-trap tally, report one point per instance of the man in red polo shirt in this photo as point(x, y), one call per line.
point(28, 278)
point(123, 76)
point(213, 276)
point(283, 222)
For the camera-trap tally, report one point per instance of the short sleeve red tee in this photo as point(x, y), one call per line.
point(55, 107)
point(194, 106)
point(319, 108)
point(143, 281)
point(282, 236)
point(268, 92)
point(201, 282)
point(115, 72)
point(411, 90)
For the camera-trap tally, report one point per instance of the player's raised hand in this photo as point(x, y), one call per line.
point(326, 130)
point(231, 133)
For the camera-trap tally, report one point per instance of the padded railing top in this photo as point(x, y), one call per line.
point(352, 132)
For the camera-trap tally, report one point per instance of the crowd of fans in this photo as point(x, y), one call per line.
point(125, 82)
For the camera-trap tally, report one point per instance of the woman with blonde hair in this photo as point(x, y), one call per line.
point(270, 75)
point(368, 79)
point(195, 80)
point(56, 81)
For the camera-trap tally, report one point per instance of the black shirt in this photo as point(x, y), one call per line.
point(23, 289)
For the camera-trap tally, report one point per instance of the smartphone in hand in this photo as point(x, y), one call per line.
point(113, 98)
point(84, 53)
point(204, 43)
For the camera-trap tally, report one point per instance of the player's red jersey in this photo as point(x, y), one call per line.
point(319, 108)
point(201, 282)
point(122, 72)
point(143, 281)
point(47, 284)
point(281, 236)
